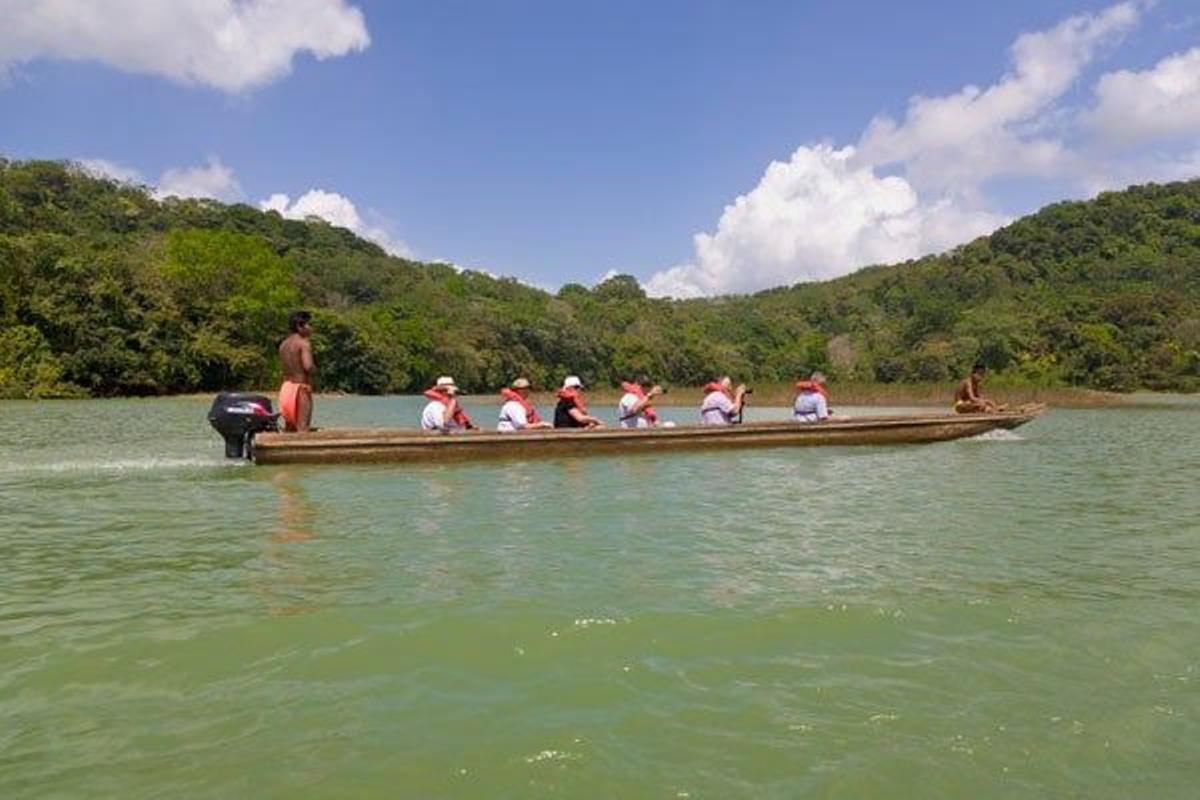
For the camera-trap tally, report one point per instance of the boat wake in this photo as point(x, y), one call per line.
point(998, 435)
point(118, 466)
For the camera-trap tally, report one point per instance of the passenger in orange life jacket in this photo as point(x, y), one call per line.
point(636, 407)
point(571, 412)
point(812, 401)
point(517, 413)
point(443, 412)
point(722, 403)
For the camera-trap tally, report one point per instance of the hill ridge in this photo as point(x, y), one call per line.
point(108, 291)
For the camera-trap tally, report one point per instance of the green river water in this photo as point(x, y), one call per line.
point(1010, 616)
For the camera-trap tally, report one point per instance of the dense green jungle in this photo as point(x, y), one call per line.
point(107, 291)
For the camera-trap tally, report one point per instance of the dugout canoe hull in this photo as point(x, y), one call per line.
point(398, 445)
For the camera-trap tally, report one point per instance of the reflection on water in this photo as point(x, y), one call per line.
point(296, 512)
point(284, 582)
point(878, 621)
point(440, 490)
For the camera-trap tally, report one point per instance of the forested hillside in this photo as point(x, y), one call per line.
point(107, 291)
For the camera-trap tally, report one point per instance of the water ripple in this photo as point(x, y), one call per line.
point(950, 620)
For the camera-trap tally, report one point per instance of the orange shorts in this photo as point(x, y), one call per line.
point(289, 397)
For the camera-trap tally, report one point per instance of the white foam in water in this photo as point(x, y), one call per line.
point(119, 465)
point(998, 435)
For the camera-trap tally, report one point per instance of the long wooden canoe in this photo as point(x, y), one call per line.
point(375, 445)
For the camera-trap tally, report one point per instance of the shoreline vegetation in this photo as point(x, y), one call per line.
point(107, 291)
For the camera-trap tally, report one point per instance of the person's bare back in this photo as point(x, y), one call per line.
point(295, 355)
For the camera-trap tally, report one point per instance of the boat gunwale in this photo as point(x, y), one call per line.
point(343, 439)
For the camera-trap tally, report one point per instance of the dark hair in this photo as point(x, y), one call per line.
point(979, 366)
point(298, 319)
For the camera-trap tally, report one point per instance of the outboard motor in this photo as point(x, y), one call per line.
point(237, 417)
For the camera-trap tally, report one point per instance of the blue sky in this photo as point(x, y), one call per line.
point(558, 141)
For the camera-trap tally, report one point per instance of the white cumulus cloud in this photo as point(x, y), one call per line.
point(335, 209)
point(955, 143)
point(815, 217)
point(214, 180)
point(211, 180)
point(103, 168)
point(909, 187)
point(231, 45)
point(1159, 103)
point(609, 274)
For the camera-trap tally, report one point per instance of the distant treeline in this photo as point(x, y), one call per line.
point(107, 291)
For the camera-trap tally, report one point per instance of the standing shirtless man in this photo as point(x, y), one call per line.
point(295, 354)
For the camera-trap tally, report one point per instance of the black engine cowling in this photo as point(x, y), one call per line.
point(237, 417)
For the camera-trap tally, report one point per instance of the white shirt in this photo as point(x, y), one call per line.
point(512, 417)
point(433, 418)
point(625, 410)
point(717, 409)
point(810, 407)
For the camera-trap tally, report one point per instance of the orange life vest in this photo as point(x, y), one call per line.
point(572, 396)
point(530, 413)
point(637, 391)
point(809, 386)
point(460, 416)
point(714, 386)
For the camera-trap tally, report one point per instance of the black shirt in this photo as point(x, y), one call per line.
point(563, 418)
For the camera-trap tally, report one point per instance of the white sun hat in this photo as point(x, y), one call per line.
point(572, 382)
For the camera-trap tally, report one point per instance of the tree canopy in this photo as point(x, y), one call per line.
point(105, 290)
